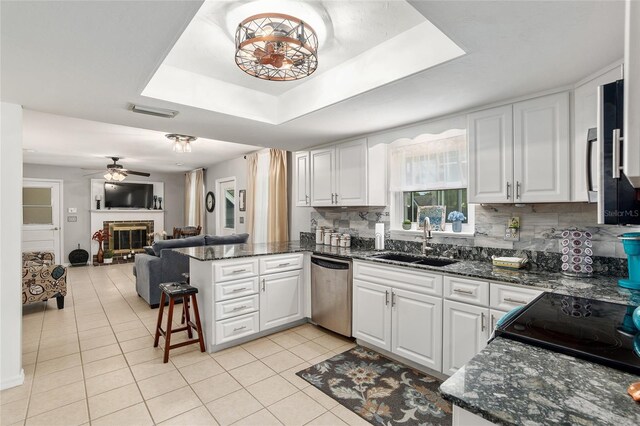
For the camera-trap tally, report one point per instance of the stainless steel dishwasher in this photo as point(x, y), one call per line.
point(331, 294)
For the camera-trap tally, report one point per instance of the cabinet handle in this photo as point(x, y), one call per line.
point(336, 198)
point(517, 190)
point(237, 271)
point(240, 328)
point(306, 199)
point(263, 284)
point(508, 190)
point(508, 299)
point(281, 265)
point(239, 308)
point(493, 322)
point(615, 157)
point(235, 290)
point(386, 297)
point(459, 290)
point(482, 326)
point(393, 299)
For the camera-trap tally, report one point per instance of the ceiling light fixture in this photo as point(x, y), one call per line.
point(114, 175)
point(275, 46)
point(181, 143)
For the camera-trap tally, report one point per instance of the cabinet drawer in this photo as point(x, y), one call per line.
point(237, 288)
point(281, 263)
point(506, 297)
point(232, 270)
point(465, 290)
point(237, 327)
point(399, 277)
point(235, 307)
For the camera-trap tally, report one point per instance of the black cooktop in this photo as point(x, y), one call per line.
point(600, 332)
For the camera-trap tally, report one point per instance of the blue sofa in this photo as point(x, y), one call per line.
point(161, 264)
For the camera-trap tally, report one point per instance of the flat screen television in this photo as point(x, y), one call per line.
point(128, 195)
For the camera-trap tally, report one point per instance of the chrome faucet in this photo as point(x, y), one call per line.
point(426, 250)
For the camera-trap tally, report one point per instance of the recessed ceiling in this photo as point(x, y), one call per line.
point(364, 45)
point(65, 141)
point(91, 59)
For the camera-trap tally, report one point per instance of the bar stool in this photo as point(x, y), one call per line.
point(174, 291)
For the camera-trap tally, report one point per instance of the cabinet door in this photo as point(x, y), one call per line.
point(465, 334)
point(371, 313)
point(323, 178)
point(416, 327)
point(541, 149)
point(585, 113)
point(490, 136)
point(280, 299)
point(302, 179)
point(351, 167)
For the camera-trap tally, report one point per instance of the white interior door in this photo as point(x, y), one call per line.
point(41, 226)
point(226, 213)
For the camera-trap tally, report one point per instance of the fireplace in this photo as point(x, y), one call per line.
point(126, 236)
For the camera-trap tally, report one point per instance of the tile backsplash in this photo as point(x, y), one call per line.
point(540, 226)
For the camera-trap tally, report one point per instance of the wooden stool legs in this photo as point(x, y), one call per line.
point(186, 319)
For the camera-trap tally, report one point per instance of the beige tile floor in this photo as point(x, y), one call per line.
point(94, 363)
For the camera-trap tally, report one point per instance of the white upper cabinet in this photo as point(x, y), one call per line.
point(302, 179)
point(323, 177)
point(351, 173)
point(490, 134)
point(541, 149)
point(585, 117)
point(520, 153)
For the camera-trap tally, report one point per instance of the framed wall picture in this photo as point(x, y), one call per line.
point(210, 201)
point(242, 200)
point(435, 214)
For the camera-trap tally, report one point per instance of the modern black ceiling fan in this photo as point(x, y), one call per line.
point(115, 171)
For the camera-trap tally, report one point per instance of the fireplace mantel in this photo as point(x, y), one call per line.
point(98, 217)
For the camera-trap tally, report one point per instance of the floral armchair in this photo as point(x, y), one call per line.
point(42, 279)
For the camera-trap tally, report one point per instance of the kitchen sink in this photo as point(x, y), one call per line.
point(435, 262)
point(416, 260)
point(398, 257)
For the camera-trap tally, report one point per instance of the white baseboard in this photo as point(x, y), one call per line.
point(13, 382)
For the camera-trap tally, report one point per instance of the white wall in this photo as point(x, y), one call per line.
point(231, 168)
point(77, 193)
point(11, 373)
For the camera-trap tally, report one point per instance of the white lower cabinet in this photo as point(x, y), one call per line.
point(371, 314)
point(465, 334)
point(280, 299)
point(404, 322)
point(416, 327)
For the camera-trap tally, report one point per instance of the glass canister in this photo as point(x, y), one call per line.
point(320, 235)
point(327, 237)
point(335, 239)
point(345, 240)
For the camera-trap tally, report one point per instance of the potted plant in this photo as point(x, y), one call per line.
point(406, 224)
point(456, 218)
point(108, 256)
point(100, 236)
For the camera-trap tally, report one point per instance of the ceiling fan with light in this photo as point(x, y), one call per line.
point(115, 172)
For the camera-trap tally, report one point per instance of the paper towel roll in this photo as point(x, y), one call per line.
point(379, 238)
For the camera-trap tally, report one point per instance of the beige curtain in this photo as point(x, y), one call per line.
point(252, 172)
point(277, 214)
point(187, 197)
point(199, 198)
point(194, 198)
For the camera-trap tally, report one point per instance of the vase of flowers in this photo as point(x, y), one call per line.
point(456, 218)
point(100, 236)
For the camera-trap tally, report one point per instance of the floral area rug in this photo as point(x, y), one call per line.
point(380, 390)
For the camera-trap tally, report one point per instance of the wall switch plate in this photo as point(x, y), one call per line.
point(72, 218)
point(512, 230)
point(72, 210)
point(241, 219)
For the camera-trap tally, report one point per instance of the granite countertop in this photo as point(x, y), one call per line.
point(513, 383)
point(600, 287)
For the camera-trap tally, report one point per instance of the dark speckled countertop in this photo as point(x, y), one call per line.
point(513, 383)
point(600, 287)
